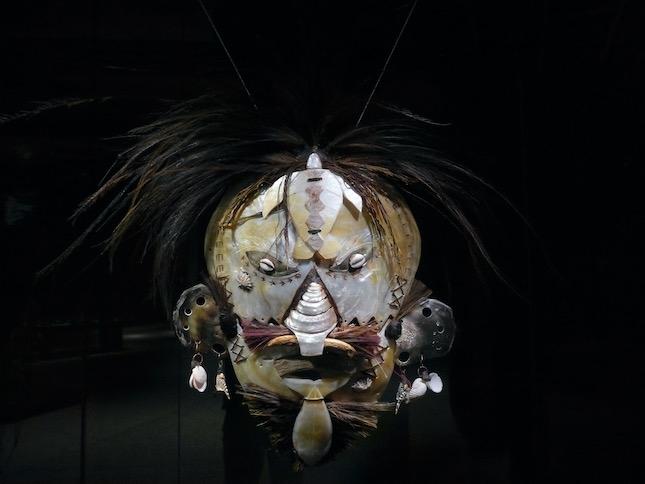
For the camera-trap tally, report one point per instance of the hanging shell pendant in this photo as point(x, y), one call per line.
point(401, 396)
point(198, 378)
point(434, 383)
point(312, 430)
point(220, 380)
point(418, 389)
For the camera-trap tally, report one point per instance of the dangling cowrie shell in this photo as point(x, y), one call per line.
point(267, 266)
point(418, 389)
point(356, 261)
point(435, 383)
point(198, 379)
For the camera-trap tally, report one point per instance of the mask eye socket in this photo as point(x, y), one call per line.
point(269, 265)
point(354, 262)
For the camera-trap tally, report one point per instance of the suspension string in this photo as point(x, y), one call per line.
point(387, 61)
point(228, 54)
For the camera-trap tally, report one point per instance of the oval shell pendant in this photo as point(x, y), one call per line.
point(435, 383)
point(418, 389)
point(198, 378)
point(312, 431)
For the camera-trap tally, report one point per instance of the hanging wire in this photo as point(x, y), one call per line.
point(387, 62)
point(228, 54)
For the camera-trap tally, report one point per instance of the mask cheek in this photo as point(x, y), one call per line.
point(359, 295)
point(267, 298)
point(379, 376)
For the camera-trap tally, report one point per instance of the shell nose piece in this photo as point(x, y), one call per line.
point(312, 320)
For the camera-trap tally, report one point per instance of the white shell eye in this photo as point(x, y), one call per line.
point(357, 260)
point(267, 266)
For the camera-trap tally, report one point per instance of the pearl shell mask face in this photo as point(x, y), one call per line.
point(304, 260)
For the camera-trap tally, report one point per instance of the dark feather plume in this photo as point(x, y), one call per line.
point(186, 161)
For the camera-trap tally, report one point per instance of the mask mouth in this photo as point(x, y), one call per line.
point(325, 373)
point(327, 366)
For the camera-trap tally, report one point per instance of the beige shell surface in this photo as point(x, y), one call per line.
point(269, 229)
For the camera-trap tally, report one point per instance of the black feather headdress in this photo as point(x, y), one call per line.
point(185, 162)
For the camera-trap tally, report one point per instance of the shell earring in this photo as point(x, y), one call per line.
point(424, 382)
point(198, 378)
point(431, 381)
point(220, 377)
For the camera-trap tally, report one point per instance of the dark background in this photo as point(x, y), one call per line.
point(543, 99)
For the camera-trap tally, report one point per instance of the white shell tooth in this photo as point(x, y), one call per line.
point(435, 383)
point(418, 389)
point(198, 378)
point(267, 265)
point(244, 280)
point(356, 261)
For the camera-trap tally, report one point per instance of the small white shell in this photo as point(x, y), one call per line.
point(314, 161)
point(198, 379)
point(418, 389)
point(363, 383)
point(435, 383)
point(356, 261)
point(244, 280)
point(267, 266)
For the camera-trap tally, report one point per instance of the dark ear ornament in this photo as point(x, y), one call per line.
point(425, 326)
point(197, 321)
point(429, 328)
